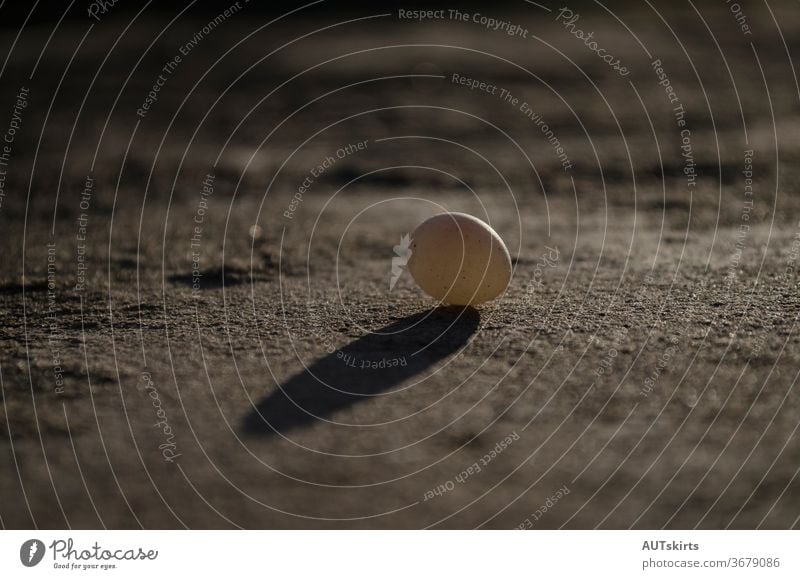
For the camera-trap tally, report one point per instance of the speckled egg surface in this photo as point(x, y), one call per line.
point(459, 260)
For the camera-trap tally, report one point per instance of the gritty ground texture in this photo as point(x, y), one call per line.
point(232, 355)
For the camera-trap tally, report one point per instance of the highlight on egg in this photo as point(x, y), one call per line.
point(459, 260)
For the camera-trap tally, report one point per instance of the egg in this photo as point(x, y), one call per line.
point(459, 260)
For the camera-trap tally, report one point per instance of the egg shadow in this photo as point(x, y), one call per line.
point(369, 366)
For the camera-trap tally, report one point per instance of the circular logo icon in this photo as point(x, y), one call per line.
point(31, 552)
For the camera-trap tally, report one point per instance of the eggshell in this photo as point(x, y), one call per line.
point(459, 260)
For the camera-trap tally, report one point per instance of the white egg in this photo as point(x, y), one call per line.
point(459, 260)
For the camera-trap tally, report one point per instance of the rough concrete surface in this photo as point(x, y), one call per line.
point(232, 355)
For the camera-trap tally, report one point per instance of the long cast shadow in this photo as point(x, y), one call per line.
point(368, 366)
